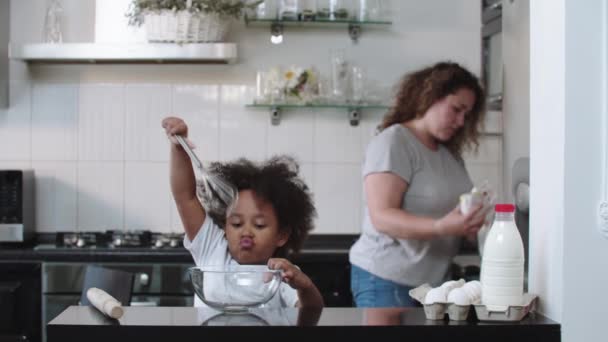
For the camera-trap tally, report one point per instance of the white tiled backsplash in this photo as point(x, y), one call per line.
point(101, 156)
point(93, 136)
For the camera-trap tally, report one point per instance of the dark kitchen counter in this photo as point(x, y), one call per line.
point(317, 248)
point(78, 323)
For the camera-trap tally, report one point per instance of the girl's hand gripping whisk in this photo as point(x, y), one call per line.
point(214, 184)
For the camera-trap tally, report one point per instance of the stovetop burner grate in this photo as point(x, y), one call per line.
point(118, 239)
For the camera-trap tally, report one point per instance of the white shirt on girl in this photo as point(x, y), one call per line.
point(210, 247)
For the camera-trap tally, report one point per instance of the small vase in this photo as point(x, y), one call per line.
point(52, 22)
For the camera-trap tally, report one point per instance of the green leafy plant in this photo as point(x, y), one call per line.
point(227, 8)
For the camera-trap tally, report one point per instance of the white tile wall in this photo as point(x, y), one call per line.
point(147, 196)
point(54, 122)
point(100, 154)
point(242, 132)
point(15, 165)
point(337, 190)
point(293, 136)
point(101, 122)
point(101, 192)
point(198, 105)
point(15, 127)
point(146, 106)
point(56, 196)
point(335, 140)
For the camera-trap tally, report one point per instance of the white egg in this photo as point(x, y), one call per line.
point(475, 284)
point(449, 283)
point(435, 295)
point(459, 297)
point(473, 289)
point(452, 284)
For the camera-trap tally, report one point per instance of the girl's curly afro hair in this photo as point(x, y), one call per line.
point(275, 181)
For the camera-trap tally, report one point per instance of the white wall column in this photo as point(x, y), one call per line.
point(567, 127)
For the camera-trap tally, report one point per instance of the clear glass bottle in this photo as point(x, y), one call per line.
point(267, 10)
point(502, 264)
point(52, 22)
point(342, 9)
point(339, 75)
point(369, 10)
point(308, 10)
point(323, 10)
point(288, 10)
point(358, 84)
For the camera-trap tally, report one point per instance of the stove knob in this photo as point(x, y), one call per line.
point(173, 243)
point(80, 242)
point(158, 244)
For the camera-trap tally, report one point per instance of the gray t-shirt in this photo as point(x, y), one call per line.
point(435, 181)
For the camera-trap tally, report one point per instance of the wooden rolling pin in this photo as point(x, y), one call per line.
point(105, 303)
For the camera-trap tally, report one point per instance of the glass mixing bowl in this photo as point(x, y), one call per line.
point(235, 288)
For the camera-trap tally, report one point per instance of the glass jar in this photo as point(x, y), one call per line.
point(369, 10)
point(288, 10)
point(267, 9)
point(339, 75)
point(52, 22)
point(308, 10)
point(342, 9)
point(323, 10)
point(358, 84)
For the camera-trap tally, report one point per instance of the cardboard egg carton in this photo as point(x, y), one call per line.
point(506, 313)
point(437, 310)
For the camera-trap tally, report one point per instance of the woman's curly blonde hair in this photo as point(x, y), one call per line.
point(421, 89)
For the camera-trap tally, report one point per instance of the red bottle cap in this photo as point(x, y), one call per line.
point(505, 208)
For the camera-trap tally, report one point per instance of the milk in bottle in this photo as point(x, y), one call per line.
point(502, 264)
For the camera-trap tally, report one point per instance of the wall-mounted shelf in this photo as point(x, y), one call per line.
point(355, 27)
point(212, 53)
point(353, 110)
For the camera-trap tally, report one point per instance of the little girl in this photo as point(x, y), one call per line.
point(272, 217)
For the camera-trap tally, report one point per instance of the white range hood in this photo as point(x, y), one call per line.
point(211, 53)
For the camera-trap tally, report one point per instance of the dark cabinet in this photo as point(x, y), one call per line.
point(20, 301)
point(332, 278)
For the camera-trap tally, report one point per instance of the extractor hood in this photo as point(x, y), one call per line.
point(122, 53)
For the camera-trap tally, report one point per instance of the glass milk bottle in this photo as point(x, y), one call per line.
point(502, 264)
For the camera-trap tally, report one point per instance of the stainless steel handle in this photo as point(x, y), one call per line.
point(495, 6)
point(494, 101)
point(193, 157)
point(144, 304)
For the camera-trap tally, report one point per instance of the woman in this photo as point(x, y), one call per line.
point(413, 175)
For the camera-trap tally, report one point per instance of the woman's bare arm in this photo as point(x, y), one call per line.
point(384, 193)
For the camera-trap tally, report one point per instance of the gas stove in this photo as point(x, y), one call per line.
point(118, 239)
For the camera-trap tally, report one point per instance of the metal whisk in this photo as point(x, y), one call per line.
point(215, 185)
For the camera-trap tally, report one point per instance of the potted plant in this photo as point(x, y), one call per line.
point(187, 21)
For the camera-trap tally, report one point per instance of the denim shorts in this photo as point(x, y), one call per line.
point(370, 291)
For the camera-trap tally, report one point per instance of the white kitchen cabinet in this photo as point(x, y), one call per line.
point(4, 39)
